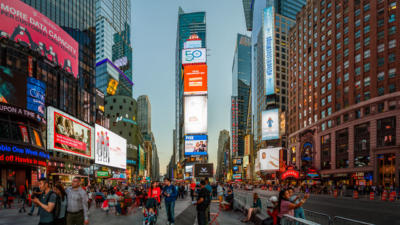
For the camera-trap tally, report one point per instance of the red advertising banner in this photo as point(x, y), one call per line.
point(27, 26)
point(195, 79)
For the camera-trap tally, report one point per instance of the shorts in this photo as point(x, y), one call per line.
point(151, 203)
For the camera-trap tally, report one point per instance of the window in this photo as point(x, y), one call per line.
point(392, 18)
point(329, 111)
point(381, 61)
point(367, 81)
point(392, 88)
point(361, 145)
point(381, 76)
point(381, 22)
point(392, 57)
point(386, 132)
point(366, 41)
point(326, 152)
point(366, 7)
point(366, 18)
point(323, 102)
point(367, 53)
point(381, 47)
point(392, 43)
point(367, 95)
point(342, 146)
point(381, 91)
point(358, 84)
point(323, 90)
point(338, 81)
point(358, 33)
point(392, 30)
point(381, 35)
point(346, 41)
point(357, 58)
point(392, 72)
point(366, 67)
point(358, 22)
point(358, 46)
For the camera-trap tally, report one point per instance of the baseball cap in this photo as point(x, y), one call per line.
point(273, 199)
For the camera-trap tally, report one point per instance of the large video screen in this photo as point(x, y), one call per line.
point(196, 145)
point(269, 159)
point(270, 124)
point(36, 96)
point(27, 26)
point(110, 148)
point(269, 52)
point(12, 87)
point(67, 134)
point(195, 114)
point(195, 79)
point(193, 55)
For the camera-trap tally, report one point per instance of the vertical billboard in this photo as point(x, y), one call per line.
point(195, 114)
point(247, 144)
point(27, 26)
point(110, 148)
point(269, 43)
point(194, 55)
point(36, 96)
point(12, 86)
point(67, 134)
point(196, 145)
point(195, 79)
point(269, 159)
point(270, 124)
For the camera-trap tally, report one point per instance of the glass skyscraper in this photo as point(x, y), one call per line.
point(77, 19)
point(188, 24)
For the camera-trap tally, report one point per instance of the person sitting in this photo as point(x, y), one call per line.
point(228, 203)
point(273, 212)
point(255, 209)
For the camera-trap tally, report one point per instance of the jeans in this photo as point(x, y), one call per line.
point(299, 213)
point(201, 217)
point(170, 207)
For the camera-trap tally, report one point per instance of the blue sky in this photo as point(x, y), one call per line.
point(154, 28)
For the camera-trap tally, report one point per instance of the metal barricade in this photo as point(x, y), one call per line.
point(317, 217)
point(291, 220)
point(338, 220)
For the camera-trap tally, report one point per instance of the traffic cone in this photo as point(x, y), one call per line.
point(355, 194)
point(372, 195)
point(392, 196)
point(384, 195)
point(335, 193)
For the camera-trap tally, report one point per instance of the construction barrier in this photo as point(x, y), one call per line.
point(355, 194)
point(335, 193)
point(270, 188)
point(384, 196)
point(392, 196)
point(372, 195)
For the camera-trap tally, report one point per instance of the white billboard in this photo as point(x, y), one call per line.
point(67, 134)
point(195, 114)
point(193, 55)
point(269, 23)
point(192, 44)
point(269, 159)
point(270, 124)
point(110, 148)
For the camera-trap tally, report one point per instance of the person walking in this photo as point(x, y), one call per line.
point(46, 203)
point(35, 192)
point(77, 207)
point(209, 189)
point(220, 192)
point(192, 189)
point(61, 205)
point(153, 198)
point(203, 199)
point(23, 197)
point(170, 195)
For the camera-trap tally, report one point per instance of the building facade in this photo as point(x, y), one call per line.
point(144, 114)
point(241, 82)
point(222, 167)
point(344, 93)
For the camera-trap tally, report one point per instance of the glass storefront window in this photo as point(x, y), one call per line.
point(386, 132)
point(387, 169)
point(342, 146)
point(326, 152)
point(361, 145)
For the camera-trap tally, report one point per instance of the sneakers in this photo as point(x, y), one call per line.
point(30, 214)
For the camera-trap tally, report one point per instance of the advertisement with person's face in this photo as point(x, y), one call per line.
point(196, 145)
point(195, 114)
point(68, 134)
point(110, 148)
point(269, 159)
point(27, 26)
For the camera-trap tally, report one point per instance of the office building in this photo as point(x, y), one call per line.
point(344, 91)
point(222, 156)
point(144, 114)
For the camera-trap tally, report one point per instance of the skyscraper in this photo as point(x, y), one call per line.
point(144, 114)
point(223, 143)
point(113, 42)
point(241, 82)
point(188, 24)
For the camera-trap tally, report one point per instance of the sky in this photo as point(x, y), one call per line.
point(154, 28)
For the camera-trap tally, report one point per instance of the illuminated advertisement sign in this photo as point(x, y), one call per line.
point(14, 154)
point(270, 124)
point(247, 144)
point(245, 160)
point(192, 44)
point(203, 170)
point(195, 114)
point(27, 26)
point(269, 159)
point(110, 148)
point(69, 135)
point(269, 43)
point(290, 173)
point(36, 96)
point(193, 55)
point(195, 79)
point(237, 176)
point(12, 86)
point(196, 145)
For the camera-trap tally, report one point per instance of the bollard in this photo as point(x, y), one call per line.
point(372, 195)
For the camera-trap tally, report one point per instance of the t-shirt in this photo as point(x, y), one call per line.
point(202, 194)
point(285, 209)
point(193, 186)
point(47, 217)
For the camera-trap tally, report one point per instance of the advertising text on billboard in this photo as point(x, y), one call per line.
point(22, 23)
point(110, 148)
point(269, 44)
point(36, 96)
point(193, 55)
point(195, 79)
point(196, 145)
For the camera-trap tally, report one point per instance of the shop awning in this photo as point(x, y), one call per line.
point(66, 174)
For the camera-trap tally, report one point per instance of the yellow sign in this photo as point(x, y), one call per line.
point(112, 87)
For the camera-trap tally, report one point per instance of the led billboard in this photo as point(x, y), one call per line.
point(196, 145)
point(27, 26)
point(192, 44)
point(195, 79)
point(36, 96)
point(67, 134)
point(195, 114)
point(269, 159)
point(193, 55)
point(110, 148)
point(270, 124)
point(203, 170)
point(269, 44)
point(13, 87)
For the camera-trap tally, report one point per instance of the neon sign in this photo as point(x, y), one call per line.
point(290, 173)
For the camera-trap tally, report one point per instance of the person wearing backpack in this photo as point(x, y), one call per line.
point(203, 201)
point(46, 203)
point(60, 209)
point(170, 194)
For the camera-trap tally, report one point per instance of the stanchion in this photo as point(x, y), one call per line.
point(355, 194)
point(372, 195)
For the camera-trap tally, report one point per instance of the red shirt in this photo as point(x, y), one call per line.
point(154, 193)
point(119, 193)
point(193, 186)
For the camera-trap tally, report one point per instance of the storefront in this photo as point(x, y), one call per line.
point(64, 172)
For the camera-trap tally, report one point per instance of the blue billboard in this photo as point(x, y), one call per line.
point(36, 95)
point(269, 56)
point(196, 144)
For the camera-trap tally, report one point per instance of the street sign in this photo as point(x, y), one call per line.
point(203, 170)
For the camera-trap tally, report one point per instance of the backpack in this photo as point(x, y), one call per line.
point(57, 204)
point(207, 199)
